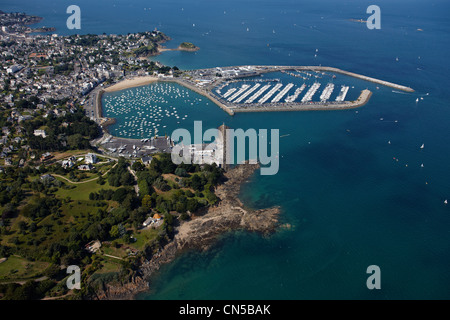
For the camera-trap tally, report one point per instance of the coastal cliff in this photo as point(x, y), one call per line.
point(201, 231)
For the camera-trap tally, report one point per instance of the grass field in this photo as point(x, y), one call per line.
point(109, 266)
point(81, 190)
point(145, 236)
point(19, 268)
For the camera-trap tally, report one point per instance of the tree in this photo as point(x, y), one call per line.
point(114, 232)
point(101, 181)
point(192, 205)
point(126, 179)
point(119, 195)
point(147, 202)
point(180, 207)
point(196, 183)
point(74, 141)
point(181, 172)
point(22, 226)
point(138, 166)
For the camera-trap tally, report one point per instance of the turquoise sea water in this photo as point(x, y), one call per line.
point(350, 203)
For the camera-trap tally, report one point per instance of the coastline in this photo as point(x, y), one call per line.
point(131, 83)
point(141, 81)
point(201, 232)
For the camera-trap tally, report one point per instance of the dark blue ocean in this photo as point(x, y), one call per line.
point(349, 201)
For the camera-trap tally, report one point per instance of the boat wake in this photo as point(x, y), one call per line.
point(401, 92)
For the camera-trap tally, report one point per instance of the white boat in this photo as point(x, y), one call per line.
point(417, 100)
point(422, 146)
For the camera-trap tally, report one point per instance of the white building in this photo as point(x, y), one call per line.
point(90, 159)
point(14, 68)
point(67, 163)
point(40, 133)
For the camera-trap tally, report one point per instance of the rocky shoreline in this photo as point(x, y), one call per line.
point(201, 231)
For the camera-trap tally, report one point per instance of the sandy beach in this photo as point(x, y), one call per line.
point(130, 83)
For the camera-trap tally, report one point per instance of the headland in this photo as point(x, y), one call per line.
point(202, 231)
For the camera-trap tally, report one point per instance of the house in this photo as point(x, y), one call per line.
point(85, 167)
point(46, 156)
point(148, 221)
point(5, 131)
point(157, 217)
point(67, 164)
point(24, 118)
point(8, 162)
point(40, 133)
point(14, 69)
point(147, 160)
point(47, 178)
point(90, 158)
point(93, 246)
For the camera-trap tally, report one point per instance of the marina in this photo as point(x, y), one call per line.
point(245, 89)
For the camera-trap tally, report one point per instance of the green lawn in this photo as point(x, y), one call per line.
point(81, 190)
point(109, 266)
point(144, 237)
point(117, 252)
point(20, 268)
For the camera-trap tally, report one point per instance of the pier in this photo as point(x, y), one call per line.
point(297, 92)
point(229, 92)
point(257, 94)
point(342, 94)
point(326, 93)
point(239, 92)
point(270, 93)
point(310, 93)
point(282, 93)
point(247, 93)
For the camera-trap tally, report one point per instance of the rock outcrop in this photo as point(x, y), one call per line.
point(201, 231)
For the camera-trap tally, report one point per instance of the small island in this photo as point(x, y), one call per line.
point(188, 46)
point(184, 46)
